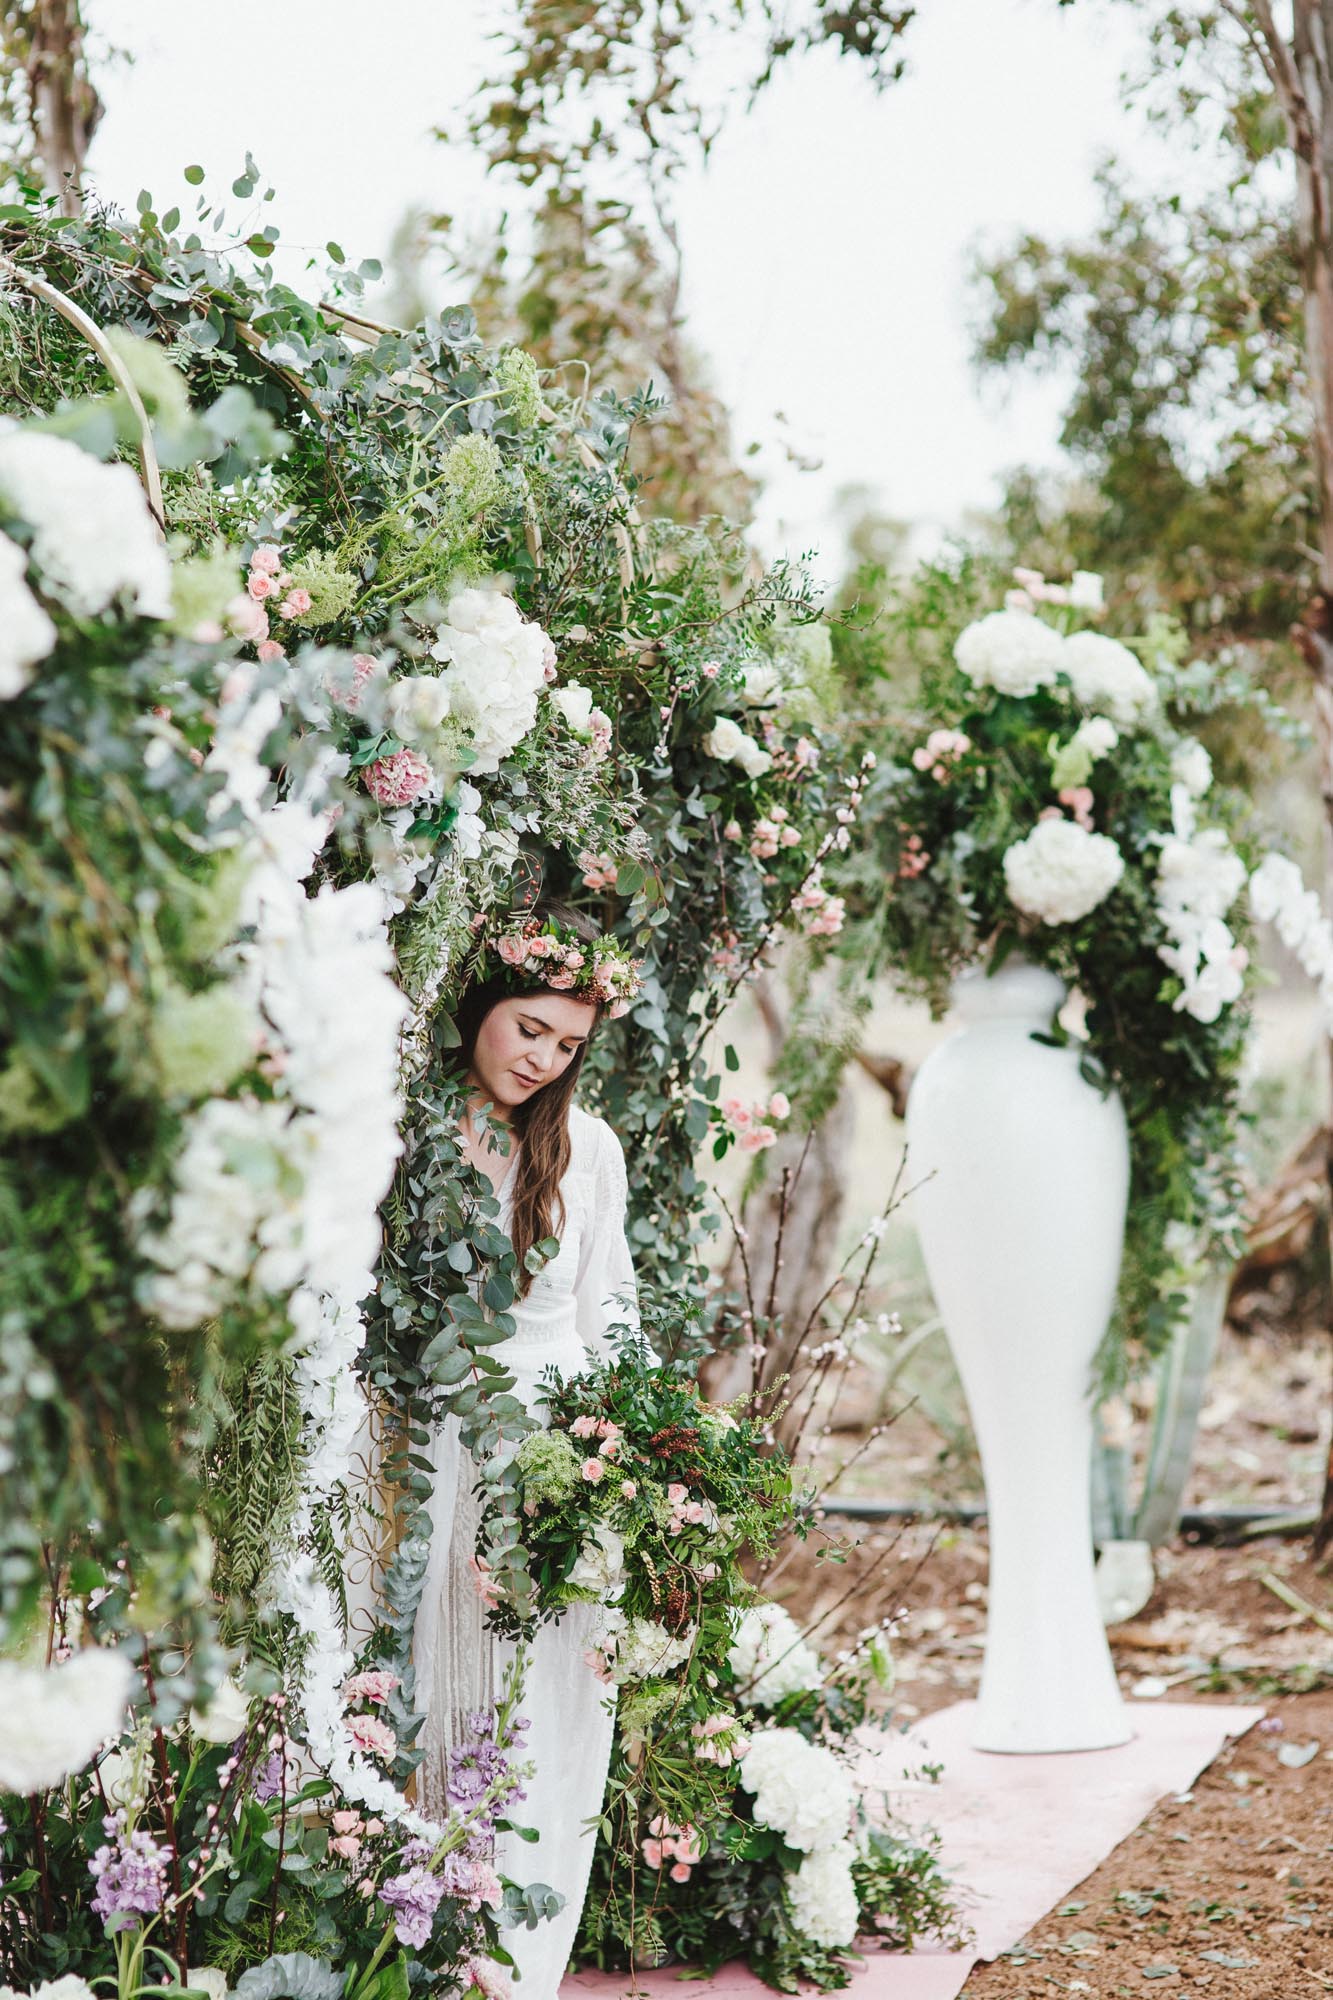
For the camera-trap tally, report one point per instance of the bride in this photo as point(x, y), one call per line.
point(525, 1021)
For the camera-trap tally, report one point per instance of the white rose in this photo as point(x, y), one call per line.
point(416, 705)
point(724, 740)
point(1061, 872)
point(495, 669)
point(760, 685)
point(1192, 767)
point(600, 1563)
point(1105, 676)
point(224, 1717)
point(574, 702)
point(1011, 651)
point(1086, 592)
point(752, 760)
point(209, 1979)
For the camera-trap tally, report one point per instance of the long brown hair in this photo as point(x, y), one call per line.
point(542, 1124)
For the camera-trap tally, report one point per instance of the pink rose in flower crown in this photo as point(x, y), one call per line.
point(560, 981)
point(397, 780)
point(512, 950)
point(371, 1735)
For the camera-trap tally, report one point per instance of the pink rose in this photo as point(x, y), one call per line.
point(736, 1112)
point(512, 950)
point(295, 604)
point(680, 1871)
point(584, 1427)
point(1079, 800)
point(710, 670)
point(397, 780)
point(269, 649)
point(246, 619)
point(779, 1105)
point(491, 1980)
point(347, 1822)
point(374, 1826)
point(371, 1735)
point(628, 1489)
point(677, 1495)
point(593, 1471)
point(652, 1853)
point(266, 559)
point(347, 1845)
point(732, 830)
point(617, 1008)
point(259, 586)
point(611, 1448)
point(560, 981)
point(541, 946)
point(761, 1136)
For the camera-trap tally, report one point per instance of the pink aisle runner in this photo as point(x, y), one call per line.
point(1018, 1834)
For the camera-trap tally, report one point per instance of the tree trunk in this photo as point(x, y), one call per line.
point(1303, 78)
point(63, 106)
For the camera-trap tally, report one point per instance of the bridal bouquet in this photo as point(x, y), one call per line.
point(799, 1857)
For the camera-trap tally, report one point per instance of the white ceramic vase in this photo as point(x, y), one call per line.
point(1021, 1221)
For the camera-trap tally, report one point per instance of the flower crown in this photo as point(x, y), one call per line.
point(544, 953)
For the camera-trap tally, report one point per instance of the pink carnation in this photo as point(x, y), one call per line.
point(375, 1684)
point(371, 1735)
point(593, 1471)
point(397, 780)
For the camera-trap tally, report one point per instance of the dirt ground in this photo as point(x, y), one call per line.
point(1228, 1889)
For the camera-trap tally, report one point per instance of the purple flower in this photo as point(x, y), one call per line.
point(131, 1876)
point(416, 1896)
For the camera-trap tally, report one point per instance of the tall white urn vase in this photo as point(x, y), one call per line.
point(1020, 1171)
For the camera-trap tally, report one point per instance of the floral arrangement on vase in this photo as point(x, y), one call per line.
point(799, 1857)
point(1046, 800)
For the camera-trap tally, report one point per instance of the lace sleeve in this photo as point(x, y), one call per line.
point(606, 1295)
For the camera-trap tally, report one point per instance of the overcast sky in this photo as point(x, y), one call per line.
point(825, 245)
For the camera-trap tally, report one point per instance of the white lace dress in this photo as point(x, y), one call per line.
point(565, 1317)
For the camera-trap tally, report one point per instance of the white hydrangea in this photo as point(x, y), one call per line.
point(643, 1647)
point(94, 541)
point(770, 1658)
point(1060, 871)
point(26, 633)
point(728, 742)
point(415, 705)
point(1192, 767)
point(54, 1720)
point(760, 684)
point(495, 668)
point(1106, 677)
point(1010, 651)
point(822, 1896)
point(800, 1790)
